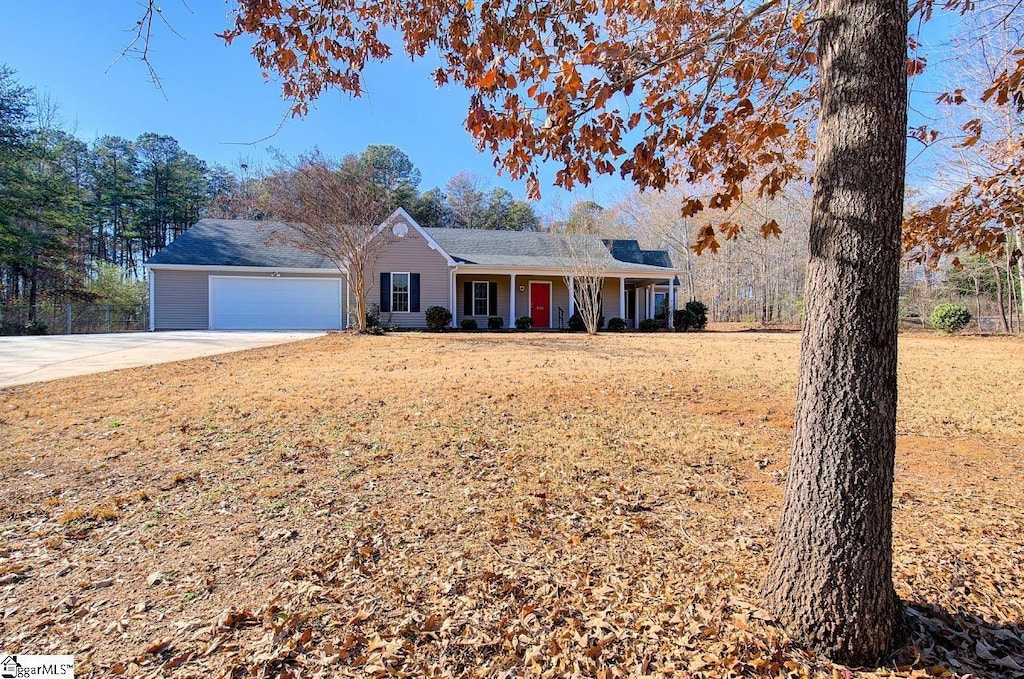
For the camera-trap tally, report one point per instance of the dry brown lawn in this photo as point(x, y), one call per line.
point(484, 505)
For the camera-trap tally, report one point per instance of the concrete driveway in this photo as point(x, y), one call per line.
point(37, 359)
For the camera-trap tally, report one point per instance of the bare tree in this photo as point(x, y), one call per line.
point(335, 209)
point(753, 276)
point(584, 260)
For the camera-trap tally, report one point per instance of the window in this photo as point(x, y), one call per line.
point(400, 292)
point(660, 304)
point(481, 300)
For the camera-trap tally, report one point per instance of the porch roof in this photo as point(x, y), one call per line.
point(528, 249)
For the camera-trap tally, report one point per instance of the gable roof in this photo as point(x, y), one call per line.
point(237, 242)
point(244, 242)
point(630, 251)
point(538, 249)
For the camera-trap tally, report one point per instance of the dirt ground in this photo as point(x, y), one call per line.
point(485, 505)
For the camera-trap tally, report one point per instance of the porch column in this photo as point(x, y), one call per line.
point(650, 302)
point(572, 295)
point(453, 299)
point(622, 297)
point(512, 302)
point(671, 302)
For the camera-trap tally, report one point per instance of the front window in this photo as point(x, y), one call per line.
point(660, 304)
point(481, 302)
point(400, 292)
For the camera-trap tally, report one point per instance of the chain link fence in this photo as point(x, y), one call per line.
point(72, 318)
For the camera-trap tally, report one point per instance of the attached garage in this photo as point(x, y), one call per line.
point(275, 303)
point(226, 274)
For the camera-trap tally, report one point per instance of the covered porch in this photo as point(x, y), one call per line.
point(549, 298)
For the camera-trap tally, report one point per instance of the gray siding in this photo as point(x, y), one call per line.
point(182, 298)
point(503, 298)
point(413, 254)
point(610, 306)
point(559, 297)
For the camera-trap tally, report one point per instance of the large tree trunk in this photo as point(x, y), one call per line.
point(830, 579)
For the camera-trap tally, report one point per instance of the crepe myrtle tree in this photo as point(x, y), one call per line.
point(720, 93)
point(584, 260)
point(334, 208)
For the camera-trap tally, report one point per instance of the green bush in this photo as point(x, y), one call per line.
point(950, 317)
point(524, 323)
point(372, 317)
point(576, 323)
point(438, 318)
point(616, 325)
point(682, 320)
point(33, 328)
point(650, 325)
point(495, 322)
point(469, 324)
point(698, 314)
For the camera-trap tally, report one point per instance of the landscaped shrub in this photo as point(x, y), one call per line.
point(616, 325)
point(576, 323)
point(650, 325)
point(698, 315)
point(682, 320)
point(950, 317)
point(495, 322)
point(372, 316)
point(469, 324)
point(524, 323)
point(438, 318)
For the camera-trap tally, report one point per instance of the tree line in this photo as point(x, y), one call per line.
point(71, 210)
point(467, 201)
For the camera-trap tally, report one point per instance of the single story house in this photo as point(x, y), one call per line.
point(227, 275)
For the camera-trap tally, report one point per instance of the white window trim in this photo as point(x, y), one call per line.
point(487, 286)
point(408, 291)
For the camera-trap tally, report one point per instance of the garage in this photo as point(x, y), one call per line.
point(275, 303)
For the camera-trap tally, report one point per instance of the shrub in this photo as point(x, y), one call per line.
point(36, 328)
point(616, 325)
point(576, 323)
point(372, 316)
point(682, 320)
point(495, 322)
point(469, 324)
point(950, 317)
point(650, 325)
point(32, 328)
point(524, 323)
point(698, 314)
point(438, 318)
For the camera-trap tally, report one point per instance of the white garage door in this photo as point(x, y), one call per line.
point(265, 303)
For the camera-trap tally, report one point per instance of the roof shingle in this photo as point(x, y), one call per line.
point(237, 242)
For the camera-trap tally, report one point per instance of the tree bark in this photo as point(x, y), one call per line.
point(830, 579)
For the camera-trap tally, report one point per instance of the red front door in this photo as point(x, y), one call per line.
point(540, 305)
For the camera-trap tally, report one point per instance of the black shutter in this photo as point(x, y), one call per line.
point(492, 299)
point(467, 298)
point(414, 292)
point(385, 291)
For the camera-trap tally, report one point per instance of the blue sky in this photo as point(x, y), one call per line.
point(215, 101)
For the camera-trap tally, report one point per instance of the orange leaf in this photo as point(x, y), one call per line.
point(488, 78)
